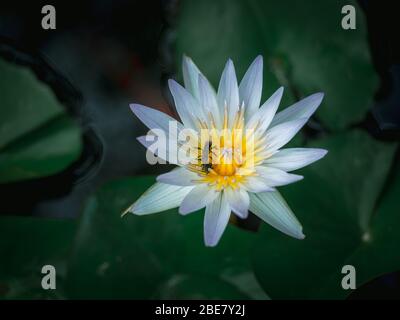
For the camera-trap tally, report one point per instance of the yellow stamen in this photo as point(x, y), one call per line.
point(227, 157)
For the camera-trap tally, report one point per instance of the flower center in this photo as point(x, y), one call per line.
point(226, 157)
point(228, 161)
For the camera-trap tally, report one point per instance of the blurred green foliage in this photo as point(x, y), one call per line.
point(37, 138)
point(26, 245)
point(303, 44)
point(337, 206)
point(155, 255)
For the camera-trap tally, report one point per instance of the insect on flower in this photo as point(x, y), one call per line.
point(234, 158)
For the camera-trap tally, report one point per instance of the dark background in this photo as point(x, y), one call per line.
point(105, 54)
point(102, 56)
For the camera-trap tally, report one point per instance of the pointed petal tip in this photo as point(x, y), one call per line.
point(134, 107)
point(321, 153)
point(186, 60)
point(240, 215)
point(259, 60)
point(229, 67)
point(319, 96)
point(301, 235)
point(297, 234)
point(229, 63)
point(279, 93)
point(126, 211)
point(140, 111)
point(131, 209)
point(181, 211)
point(210, 243)
point(184, 211)
point(138, 108)
point(142, 141)
point(171, 82)
point(174, 87)
point(187, 57)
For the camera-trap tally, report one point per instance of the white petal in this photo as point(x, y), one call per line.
point(276, 177)
point(190, 76)
point(154, 119)
point(250, 87)
point(198, 198)
point(266, 112)
point(216, 219)
point(159, 197)
point(256, 184)
point(239, 201)
point(208, 100)
point(273, 209)
point(301, 109)
point(281, 134)
point(228, 91)
point(187, 107)
point(163, 151)
point(294, 158)
point(178, 177)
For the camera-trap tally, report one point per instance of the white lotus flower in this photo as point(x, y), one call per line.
point(244, 171)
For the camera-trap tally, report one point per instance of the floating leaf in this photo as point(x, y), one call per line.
point(26, 245)
point(37, 138)
point(335, 203)
point(303, 44)
point(135, 256)
point(199, 288)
